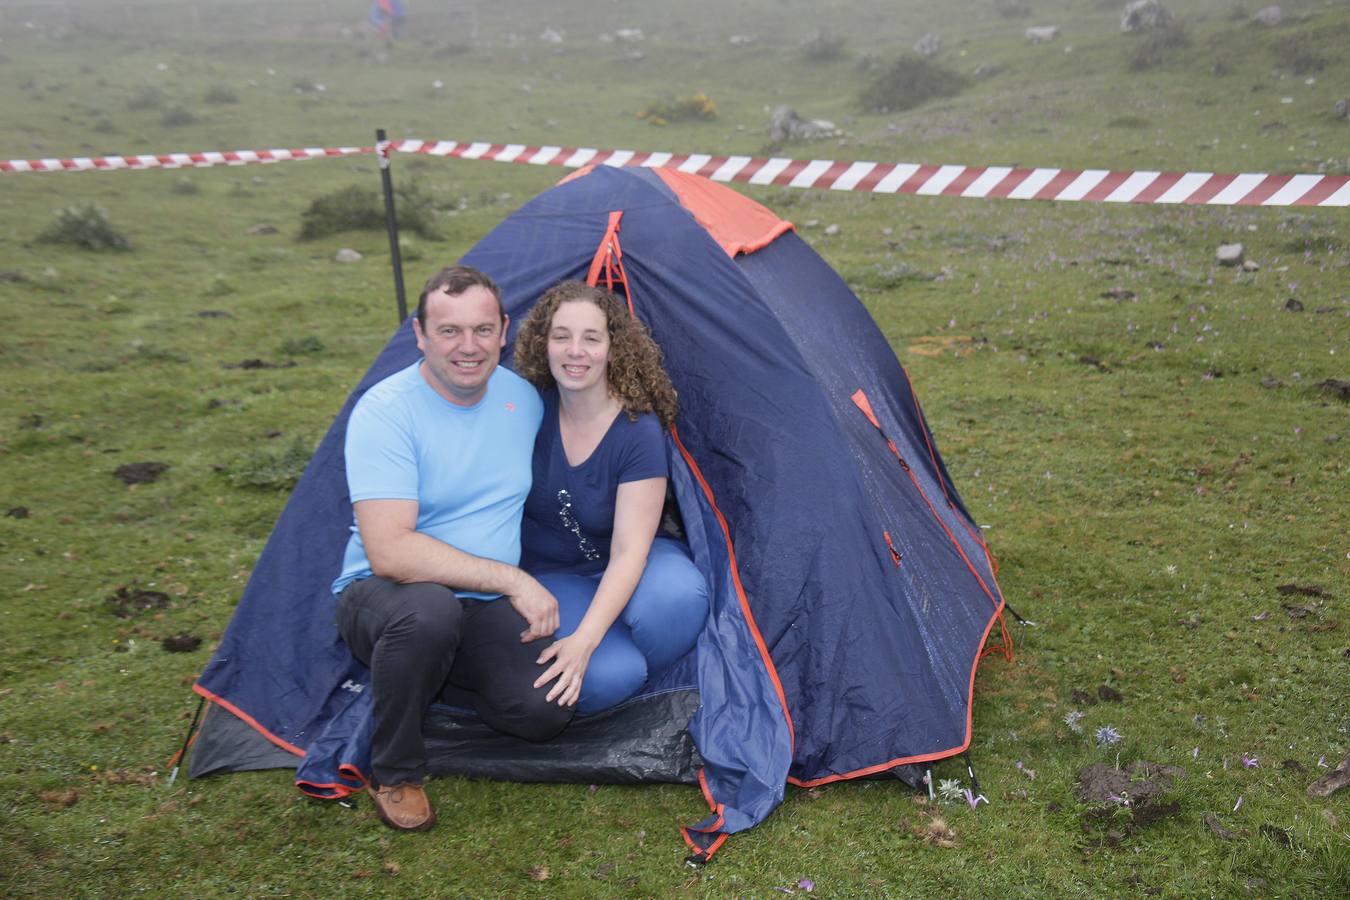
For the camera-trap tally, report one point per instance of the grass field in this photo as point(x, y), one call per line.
point(1151, 440)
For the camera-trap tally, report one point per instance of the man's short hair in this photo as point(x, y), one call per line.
point(455, 280)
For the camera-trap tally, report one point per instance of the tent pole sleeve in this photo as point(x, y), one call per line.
point(391, 222)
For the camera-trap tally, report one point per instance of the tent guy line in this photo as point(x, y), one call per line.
point(924, 180)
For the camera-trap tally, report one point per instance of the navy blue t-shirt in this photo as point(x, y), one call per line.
point(569, 514)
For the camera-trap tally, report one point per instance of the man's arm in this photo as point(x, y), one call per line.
point(399, 552)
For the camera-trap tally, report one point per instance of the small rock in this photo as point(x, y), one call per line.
point(1144, 14)
point(1293, 305)
point(831, 230)
point(1342, 108)
point(262, 228)
point(1270, 16)
point(1229, 255)
point(1219, 831)
point(928, 45)
point(1251, 265)
point(1041, 34)
point(786, 125)
point(347, 255)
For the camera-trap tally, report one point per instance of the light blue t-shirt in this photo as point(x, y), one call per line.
point(468, 467)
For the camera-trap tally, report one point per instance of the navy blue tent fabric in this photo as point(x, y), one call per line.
point(851, 592)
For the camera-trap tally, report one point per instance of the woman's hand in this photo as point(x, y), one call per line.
point(570, 656)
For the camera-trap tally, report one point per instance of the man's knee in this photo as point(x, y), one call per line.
point(419, 619)
point(533, 718)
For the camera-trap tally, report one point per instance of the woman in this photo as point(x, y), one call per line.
point(629, 602)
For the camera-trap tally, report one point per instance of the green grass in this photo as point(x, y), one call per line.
point(1145, 492)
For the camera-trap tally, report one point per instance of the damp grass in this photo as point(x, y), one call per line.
point(1139, 431)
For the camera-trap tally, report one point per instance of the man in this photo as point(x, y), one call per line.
point(438, 466)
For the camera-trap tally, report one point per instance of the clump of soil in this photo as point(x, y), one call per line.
point(141, 472)
point(181, 643)
point(127, 602)
point(17, 512)
point(1139, 781)
point(1140, 788)
point(1336, 387)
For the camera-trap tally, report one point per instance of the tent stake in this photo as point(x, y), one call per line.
point(391, 222)
point(1018, 616)
point(187, 739)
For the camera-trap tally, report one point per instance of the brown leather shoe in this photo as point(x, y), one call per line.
point(403, 807)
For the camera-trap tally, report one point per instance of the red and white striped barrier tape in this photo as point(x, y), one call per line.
point(176, 160)
point(999, 182)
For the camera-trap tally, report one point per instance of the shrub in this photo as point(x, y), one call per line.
point(147, 97)
point(910, 81)
point(219, 93)
point(1298, 55)
point(85, 226)
point(1158, 46)
point(823, 46)
point(679, 109)
point(268, 469)
point(358, 209)
point(176, 116)
point(301, 346)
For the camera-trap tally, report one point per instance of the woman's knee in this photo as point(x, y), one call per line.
point(616, 671)
point(670, 602)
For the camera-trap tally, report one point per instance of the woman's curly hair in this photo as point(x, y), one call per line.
point(636, 374)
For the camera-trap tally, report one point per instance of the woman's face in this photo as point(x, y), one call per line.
point(578, 346)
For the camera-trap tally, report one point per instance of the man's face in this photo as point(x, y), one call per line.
point(462, 343)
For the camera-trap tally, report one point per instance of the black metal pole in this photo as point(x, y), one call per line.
point(391, 222)
point(187, 739)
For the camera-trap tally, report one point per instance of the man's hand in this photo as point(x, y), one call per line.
point(537, 606)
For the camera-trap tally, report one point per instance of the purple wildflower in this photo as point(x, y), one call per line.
point(1195, 753)
point(1249, 762)
point(1107, 736)
point(975, 801)
point(807, 885)
point(1322, 763)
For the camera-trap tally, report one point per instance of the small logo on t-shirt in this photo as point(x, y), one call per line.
point(510, 407)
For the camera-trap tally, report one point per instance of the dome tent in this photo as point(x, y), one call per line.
point(851, 592)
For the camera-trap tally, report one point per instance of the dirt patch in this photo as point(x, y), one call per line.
point(1307, 590)
point(128, 603)
point(1108, 694)
point(181, 643)
point(1140, 782)
point(1336, 387)
point(257, 364)
point(1082, 697)
point(17, 512)
point(1212, 821)
point(141, 472)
